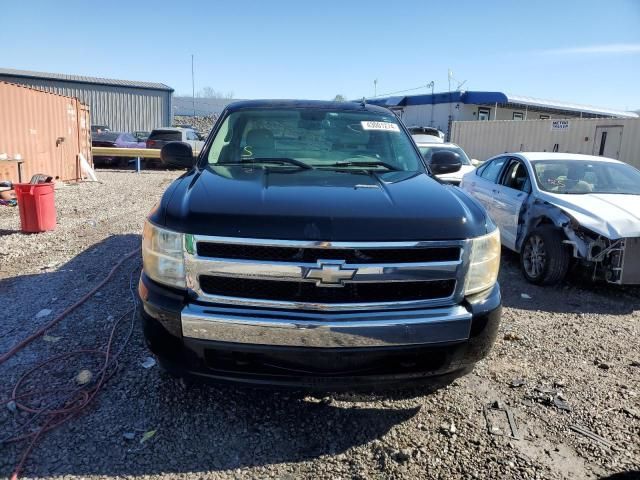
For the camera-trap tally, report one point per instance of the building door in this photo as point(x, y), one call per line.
point(607, 141)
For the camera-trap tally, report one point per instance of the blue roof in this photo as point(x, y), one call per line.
point(491, 98)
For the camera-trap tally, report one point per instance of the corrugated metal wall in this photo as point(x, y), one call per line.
point(47, 130)
point(420, 115)
point(121, 108)
point(484, 139)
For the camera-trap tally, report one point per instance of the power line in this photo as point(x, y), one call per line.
point(402, 91)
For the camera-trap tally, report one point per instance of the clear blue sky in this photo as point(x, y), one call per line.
point(581, 51)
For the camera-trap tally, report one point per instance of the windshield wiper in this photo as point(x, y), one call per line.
point(273, 160)
point(365, 165)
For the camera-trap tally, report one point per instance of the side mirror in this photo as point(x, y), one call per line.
point(445, 162)
point(475, 162)
point(177, 154)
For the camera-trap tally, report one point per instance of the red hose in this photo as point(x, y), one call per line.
point(77, 401)
point(16, 348)
point(77, 398)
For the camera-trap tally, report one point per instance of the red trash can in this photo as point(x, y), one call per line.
point(37, 206)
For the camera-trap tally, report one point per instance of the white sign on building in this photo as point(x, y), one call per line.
point(560, 125)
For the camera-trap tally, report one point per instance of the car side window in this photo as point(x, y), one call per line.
point(492, 170)
point(516, 177)
point(482, 168)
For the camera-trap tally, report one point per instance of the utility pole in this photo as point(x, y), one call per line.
point(431, 84)
point(449, 75)
point(193, 88)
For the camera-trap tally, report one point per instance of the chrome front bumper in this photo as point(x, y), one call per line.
point(371, 329)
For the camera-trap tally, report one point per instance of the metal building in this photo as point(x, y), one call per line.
point(123, 105)
point(441, 109)
point(608, 137)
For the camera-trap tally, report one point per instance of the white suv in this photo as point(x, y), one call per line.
point(161, 136)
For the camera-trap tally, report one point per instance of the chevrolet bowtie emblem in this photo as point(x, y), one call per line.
point(330, 274)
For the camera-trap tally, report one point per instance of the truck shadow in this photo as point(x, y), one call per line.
point(628, 475)
point(229, 428)
point(576, 294)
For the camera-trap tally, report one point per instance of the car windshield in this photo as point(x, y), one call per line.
point(319, 138)
point(169, 135)
point(583, 176)
point(427, 152)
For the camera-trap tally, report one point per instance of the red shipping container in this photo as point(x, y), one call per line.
point(47, 130)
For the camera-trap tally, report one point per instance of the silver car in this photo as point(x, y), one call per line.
point(558, 209)
point(428, 149)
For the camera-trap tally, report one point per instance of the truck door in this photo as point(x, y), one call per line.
point(607, 141)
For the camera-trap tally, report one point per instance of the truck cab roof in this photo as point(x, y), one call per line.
point(306, 104)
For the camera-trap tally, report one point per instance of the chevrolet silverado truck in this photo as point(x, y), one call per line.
point(310, 245)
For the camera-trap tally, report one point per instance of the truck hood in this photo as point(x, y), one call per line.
point(239, 201)
point(610, 215)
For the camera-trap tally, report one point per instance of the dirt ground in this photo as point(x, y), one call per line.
point(566, 357)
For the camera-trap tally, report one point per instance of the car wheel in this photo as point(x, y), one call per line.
point(544, 259)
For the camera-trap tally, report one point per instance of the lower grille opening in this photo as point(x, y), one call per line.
point(322, 363)
point(308, 292)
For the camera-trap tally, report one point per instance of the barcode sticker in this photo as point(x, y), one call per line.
point(384, 126)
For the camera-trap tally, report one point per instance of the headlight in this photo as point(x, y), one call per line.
point(162, 255)
point(484, 263)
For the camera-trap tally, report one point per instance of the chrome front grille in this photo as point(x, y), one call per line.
point(311, 293)
point(309, 254)
point(333, 276)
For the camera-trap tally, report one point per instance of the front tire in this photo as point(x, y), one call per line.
point(544, 258)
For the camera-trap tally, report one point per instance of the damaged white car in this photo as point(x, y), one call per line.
point(558, 208)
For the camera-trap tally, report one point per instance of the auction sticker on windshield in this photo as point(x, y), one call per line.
point(370, 125)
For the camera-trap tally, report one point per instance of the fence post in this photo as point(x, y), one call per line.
point(137, 164)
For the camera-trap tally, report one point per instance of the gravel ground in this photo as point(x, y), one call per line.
point(565, 356)
point(202, 124)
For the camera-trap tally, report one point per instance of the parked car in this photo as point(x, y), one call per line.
point(114, 140)
point(426, 134)
point(161, 136)
point(100, 129)
point(141, 135)
point(187, 126)
point(311, 246)
point(428, 149)
point(553, 208)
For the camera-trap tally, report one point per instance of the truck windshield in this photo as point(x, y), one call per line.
point(578, 176)
point(319, 138)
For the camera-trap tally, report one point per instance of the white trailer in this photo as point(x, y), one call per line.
point(608, 137)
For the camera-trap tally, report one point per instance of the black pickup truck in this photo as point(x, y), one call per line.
point(309, 245)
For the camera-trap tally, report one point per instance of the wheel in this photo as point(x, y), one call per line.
point(544, 259)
